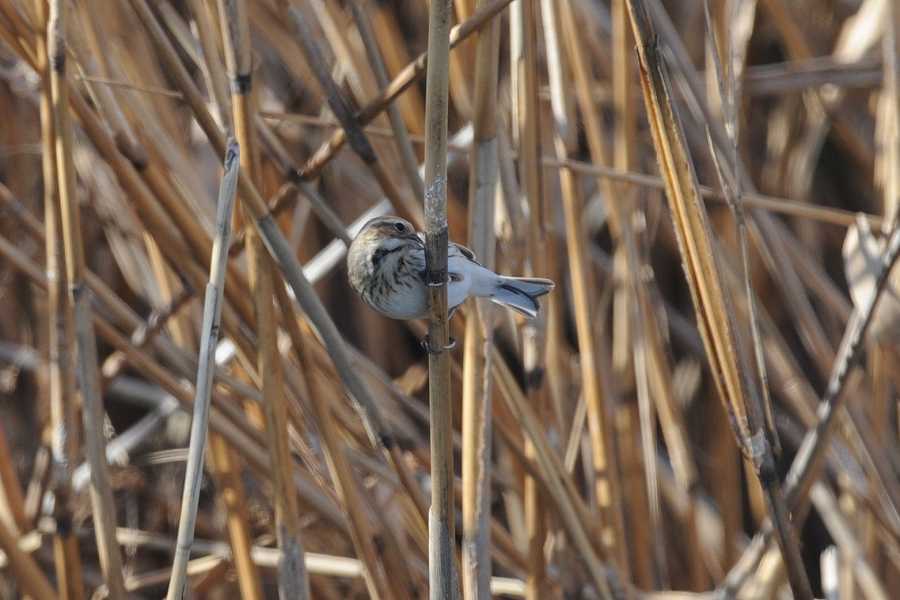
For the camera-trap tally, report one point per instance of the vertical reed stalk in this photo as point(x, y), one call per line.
point(60, 339)
point(441, 520)
point(476, 404)
point(212, 311)
point(608, 490)
point(225, 469)
point(623, 336)
point(79, 297)
point(293, 581)
point(523, 61)
point(889, 123)
point(224, 466)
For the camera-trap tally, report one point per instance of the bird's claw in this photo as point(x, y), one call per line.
point(426, 344)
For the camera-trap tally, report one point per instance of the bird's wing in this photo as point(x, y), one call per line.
point(465, 252)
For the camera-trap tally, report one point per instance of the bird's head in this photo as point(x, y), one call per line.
point(379, 238)
point(386, 233)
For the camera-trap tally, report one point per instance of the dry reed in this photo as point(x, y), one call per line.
point(706, 406)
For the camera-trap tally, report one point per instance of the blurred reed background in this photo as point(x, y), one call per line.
point(708, 403)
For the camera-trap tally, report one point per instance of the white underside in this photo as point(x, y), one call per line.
point(473, 280)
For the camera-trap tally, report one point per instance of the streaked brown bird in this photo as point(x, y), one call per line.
point(386, 266)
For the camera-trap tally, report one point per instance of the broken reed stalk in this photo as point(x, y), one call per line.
point(79, 298)
point(441, 520)
point(717, 326)
point(476, 403)
point(60, 338)
point(293, 581)
point(732, 191)
point(209, 337)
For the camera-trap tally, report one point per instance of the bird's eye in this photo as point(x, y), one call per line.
point(400, 227)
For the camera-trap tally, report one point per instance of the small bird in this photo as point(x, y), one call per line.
point(386, 266)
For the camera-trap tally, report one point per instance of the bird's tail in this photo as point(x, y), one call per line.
point(521, 293)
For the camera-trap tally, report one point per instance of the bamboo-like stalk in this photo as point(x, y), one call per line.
point(223, 464)
point(293, 581)
point(79, 298)
point(441, 521)
point(212, 311)
point(627, 345)
point(623, 153)
point(476, 403)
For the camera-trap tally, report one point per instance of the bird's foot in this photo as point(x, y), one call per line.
point(431, 349)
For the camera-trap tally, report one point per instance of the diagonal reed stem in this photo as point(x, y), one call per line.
point(212, 313)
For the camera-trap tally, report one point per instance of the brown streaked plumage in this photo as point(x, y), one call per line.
point(386, 267)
